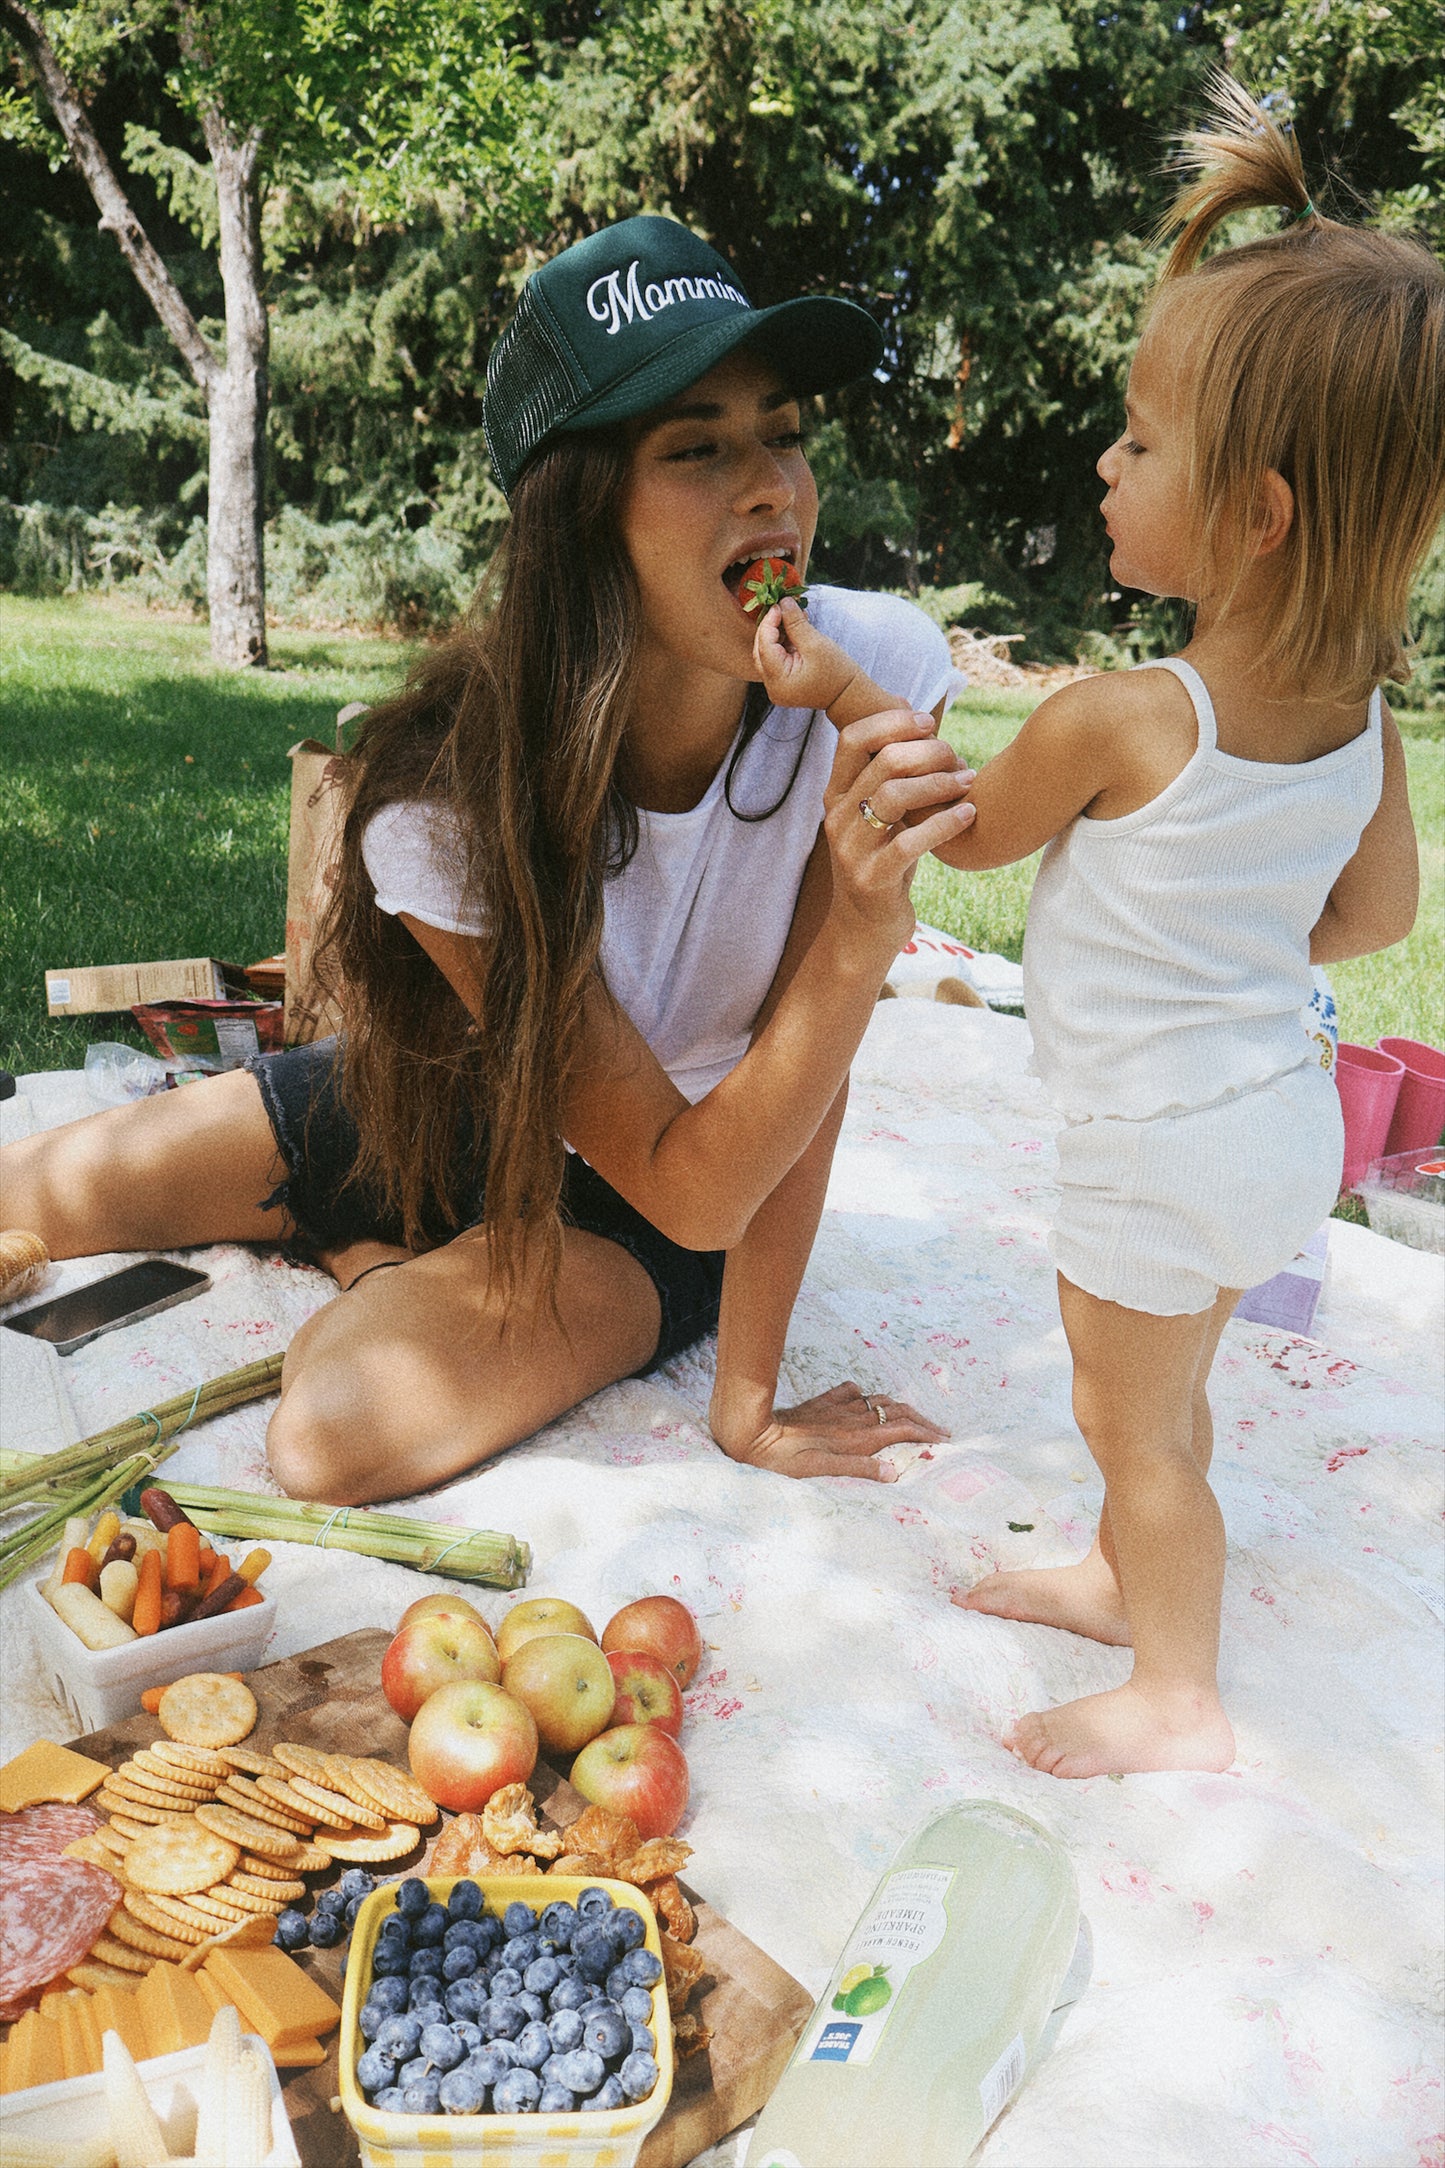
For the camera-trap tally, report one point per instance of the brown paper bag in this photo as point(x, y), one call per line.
point(318, 774)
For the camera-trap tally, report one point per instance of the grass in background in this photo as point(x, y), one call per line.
point(117, 847)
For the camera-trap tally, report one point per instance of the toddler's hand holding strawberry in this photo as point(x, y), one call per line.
point(802, 668)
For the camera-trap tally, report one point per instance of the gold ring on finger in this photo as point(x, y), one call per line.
point(872, 818)
point(882, 1417)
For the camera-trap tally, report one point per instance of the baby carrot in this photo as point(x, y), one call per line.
point(146, 1617)
point(183, 1544)
point(253, 1565)
point(207, 1558)
point(244, 1601)
point(220, 1568)
point(150, 1700)
point(81, 1567)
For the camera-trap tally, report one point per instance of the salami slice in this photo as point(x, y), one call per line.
point(43, 1832)
point(51, 1912)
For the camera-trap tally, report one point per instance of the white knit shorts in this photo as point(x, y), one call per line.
point(1159, 1215)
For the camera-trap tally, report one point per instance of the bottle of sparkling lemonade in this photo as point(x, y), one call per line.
point(935, 2007)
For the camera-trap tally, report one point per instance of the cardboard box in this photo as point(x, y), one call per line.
point(212, 1035)
point(103, 989)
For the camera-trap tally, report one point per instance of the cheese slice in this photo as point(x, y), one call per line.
point(173, 2010)
point(79, 2041)
point(53, 2002)
point(117, 2010)
point(47, 1772)
point(285, 2005)
point(300, 2055)
point(219, 2000)
point(35, 2057)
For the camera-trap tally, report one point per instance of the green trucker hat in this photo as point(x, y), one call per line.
point(626, 319)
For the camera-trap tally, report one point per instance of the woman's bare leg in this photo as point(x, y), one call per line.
point(1134, 1382)
point(410, 1378)
point(1085, 1598)
point(168, 1173)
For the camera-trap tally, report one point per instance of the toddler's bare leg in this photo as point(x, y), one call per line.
point(1134, 1384)
point(1085, 1598)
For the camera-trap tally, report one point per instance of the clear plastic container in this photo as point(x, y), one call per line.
point(73, 2110)
point(937, 2006)
point(97, 1687)
point(1404, 1198)
point(591, 2138)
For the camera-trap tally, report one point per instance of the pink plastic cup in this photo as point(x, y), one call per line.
point(1419, 1113)
point(1369, 1084)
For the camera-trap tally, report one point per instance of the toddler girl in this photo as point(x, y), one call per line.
point(1214, 823)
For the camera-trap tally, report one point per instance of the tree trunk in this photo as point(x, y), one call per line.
point(235, 560)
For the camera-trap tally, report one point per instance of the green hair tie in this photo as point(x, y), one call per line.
point(1309, 211)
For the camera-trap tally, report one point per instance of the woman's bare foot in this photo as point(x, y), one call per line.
point(1125, 1731)
point(1083, 1598)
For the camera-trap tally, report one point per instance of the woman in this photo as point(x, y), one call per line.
point(585, 896)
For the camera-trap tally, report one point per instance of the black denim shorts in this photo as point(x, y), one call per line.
point(317, 1141)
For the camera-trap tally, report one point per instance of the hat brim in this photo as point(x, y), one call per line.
point(815, 343)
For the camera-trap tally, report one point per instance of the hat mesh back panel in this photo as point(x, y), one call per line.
point(533, 382)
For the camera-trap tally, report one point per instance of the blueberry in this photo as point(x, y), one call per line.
point(462, 2092)
point(638, 2075)
point(570, 1995)
point(331, 1900)
point(413, 1897)
point(521, 1949)
point(374, 2069)
point(391, 2100)
point(429, 1927)
point(504, 2018)
point(418, 2067)
point(465, 1901)
point(425, 1999)
point(534, 2006)
point(542, 1975)
point(292, 1931)
point(560, 1921)
point(489, 1931)
point(388, 1994)
point(356, 1882)
point(459, 1962)
point(627, 1928)
point(534, 2046)
point(464, 1935)
point(594, 1953)
point(464, 1998)
point(617, 1982)
point(519, 1919)
point(565, 2030)
point(441, 2047)
point(608, 2034)
point(506, 1980)
point(635, 2004)
point(609, 2095)
point(327, 1929)
point(370, 2018)
point(556, 2100)
point(400, 2038)
point(422, 2097)
point(517, 2093)
point(581, 2071)
point(642, 1968)
point(353, 1906)
point(593, 1902)
point(396, 1923)
point(493, 2060)
point(644, 2039)
point(388, 1958)
point(470, 2035)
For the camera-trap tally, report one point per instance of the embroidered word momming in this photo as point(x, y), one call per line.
point(616, 300)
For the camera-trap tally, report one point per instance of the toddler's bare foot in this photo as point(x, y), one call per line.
point(1125, 1731)
point(1084, 1599)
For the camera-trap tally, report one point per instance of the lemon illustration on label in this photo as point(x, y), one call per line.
point(852, 1978)
point(869, 1994)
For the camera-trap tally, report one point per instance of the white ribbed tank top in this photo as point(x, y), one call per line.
point(1166, 958)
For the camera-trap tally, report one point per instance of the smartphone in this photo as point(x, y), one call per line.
point(121, 1298)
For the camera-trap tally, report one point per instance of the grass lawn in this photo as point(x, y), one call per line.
point(145, 797)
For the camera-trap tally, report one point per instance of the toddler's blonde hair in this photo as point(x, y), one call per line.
point(1318, 352)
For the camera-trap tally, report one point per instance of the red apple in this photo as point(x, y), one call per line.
point(468, 1740)
point(647, 1692)
point(635, 1769)
point(435, 1651)
point(660, 1626)
point(566, 1682)
point(540, 1615)
point(443, 1605)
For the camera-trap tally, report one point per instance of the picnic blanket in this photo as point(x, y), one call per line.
point(1265, 1984)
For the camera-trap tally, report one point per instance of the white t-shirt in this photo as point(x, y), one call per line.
point(695, 923)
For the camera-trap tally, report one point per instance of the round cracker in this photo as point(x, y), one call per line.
point(299, 1760)
point(165, 1788)
point(316, 1805)
point(309, 1860)
point(113, 1839)
point(148, 1765)
point(207, 1709)
point(144, 1935)
point(397, 1794)
point(171, 1862)
point(217, 1908)
point(199, 1760)
point(365, 1845)
point(354, 1810)
point(270, 1870)
point(130, 1830)
point(106, 1950)
point(147, 1809)
point(275, 1883)
point(264, 1809)
point(244, 1831)
point(244, 1900)
point(190, 1921)
point(251, 1762)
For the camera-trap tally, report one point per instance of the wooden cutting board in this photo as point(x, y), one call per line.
point(330, 1697)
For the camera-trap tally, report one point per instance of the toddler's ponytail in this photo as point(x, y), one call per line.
point(1245, 161)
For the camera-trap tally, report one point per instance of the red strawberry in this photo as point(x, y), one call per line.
point(767, 580)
